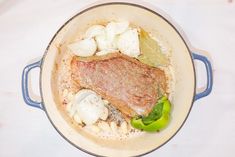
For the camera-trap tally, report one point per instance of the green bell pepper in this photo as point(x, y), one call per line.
point(157, 119)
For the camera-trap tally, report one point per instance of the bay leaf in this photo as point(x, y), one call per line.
point(151, 53)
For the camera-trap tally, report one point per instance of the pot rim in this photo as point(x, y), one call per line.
point(116, 3)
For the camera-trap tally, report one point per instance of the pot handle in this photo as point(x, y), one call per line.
point(209, 74)
point(24, 83)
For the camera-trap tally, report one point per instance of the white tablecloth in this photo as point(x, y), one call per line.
point(27, 26)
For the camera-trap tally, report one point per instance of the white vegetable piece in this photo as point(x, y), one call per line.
point(128, 43)
point(107, 40)
point(89, 107)
point(104, 52)
point(95, 30)
point(105, 43)
point(78, 98)
point(83, 48)
point(115, 28)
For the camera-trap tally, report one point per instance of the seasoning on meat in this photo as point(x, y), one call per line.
point(128, 84)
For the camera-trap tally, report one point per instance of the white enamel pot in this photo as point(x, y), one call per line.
point(183, 63)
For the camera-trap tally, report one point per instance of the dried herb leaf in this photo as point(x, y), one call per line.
point(151, 51)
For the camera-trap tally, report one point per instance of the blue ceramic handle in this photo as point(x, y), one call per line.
point(25, 90)
point(209, 85)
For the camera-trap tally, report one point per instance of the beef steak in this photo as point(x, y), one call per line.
point(128, 84)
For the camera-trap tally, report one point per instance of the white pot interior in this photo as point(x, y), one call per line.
point(183, 71)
